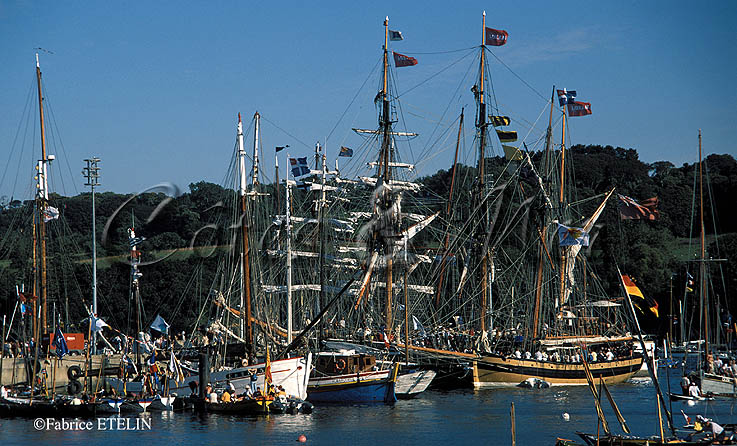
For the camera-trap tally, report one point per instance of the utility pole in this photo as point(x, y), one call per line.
point(92, 174)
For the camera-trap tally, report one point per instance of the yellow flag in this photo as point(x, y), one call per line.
point(512, 153)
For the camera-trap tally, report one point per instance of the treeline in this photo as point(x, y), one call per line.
point(654, 252)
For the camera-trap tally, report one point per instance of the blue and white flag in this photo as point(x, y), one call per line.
point(60, 344)
point(51, 213)
point(136, 241)
point(299, 166)
point(160, 325)
point(569, 236)
point(566, 97)
point(97, 323)
point(345, 151)
point(395, 35)
point(416, 325)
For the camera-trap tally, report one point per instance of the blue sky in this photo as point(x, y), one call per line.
point(154, 88)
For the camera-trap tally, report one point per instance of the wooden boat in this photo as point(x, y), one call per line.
point(248, 406)
point(351, 378)
point(77, 408)
point(628, 440)
point(499, 371)
point(27, 407)
point(678, 397)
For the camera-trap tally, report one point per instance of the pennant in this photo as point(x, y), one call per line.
point(512, 153)
point(51, 213)
point(576, 108)
point(569, 236)
point(267, 370)
point(640, 299)
point(299, 166)
point(498, 121)
point(400, 60)
point(345, 151)
point(506, 136)
point(160, 325)
point(280, 148)
point(60, 344)
point(496, 37)
point(629, 209)
point(566, 97)
point(395, 35)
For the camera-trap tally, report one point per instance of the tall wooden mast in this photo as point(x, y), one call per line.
point(385, 170)
point(245, 263)
point(481, 126)
point(42, 198)
point(542, 232)
point(441, 276)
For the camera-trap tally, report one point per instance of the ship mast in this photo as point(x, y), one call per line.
point(384, 161)
point(42, 198)
point(542, 230)
point(439, 288)
point(256, 137)
point(481, 126)
point(245, 263)
point(288, 218)
point(702, 264)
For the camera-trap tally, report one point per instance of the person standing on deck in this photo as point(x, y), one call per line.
point(685, 384)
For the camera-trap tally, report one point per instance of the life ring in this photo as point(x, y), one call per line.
point(340, 365)
point(74, 387)
point(74, 372)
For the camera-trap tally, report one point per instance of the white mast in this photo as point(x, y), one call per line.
point(242, 186)
point(92, 173)
point(257, 124)
point(289, 263)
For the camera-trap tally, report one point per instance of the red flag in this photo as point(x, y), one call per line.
point(496, 37)
point(23, 298)
point(576, 108)
point(400, 60)
point(630, 209)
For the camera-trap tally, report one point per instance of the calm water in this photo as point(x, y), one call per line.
point(455, 417)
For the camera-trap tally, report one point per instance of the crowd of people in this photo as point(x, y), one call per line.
point(719, 366)
point(228, 394)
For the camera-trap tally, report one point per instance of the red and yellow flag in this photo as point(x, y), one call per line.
point(634, 291)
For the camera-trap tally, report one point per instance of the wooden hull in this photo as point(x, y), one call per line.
point(495, 371)
point(245, 407)
point(617, 440)
point(366, 387)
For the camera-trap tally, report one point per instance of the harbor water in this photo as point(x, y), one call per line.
point(435, 417)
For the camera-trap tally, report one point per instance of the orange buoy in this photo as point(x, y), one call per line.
point(302, 439)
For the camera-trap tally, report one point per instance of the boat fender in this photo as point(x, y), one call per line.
point(340, 365)
point(74, 387)
point(74, 372)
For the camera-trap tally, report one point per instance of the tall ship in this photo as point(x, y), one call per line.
point(529, 301)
